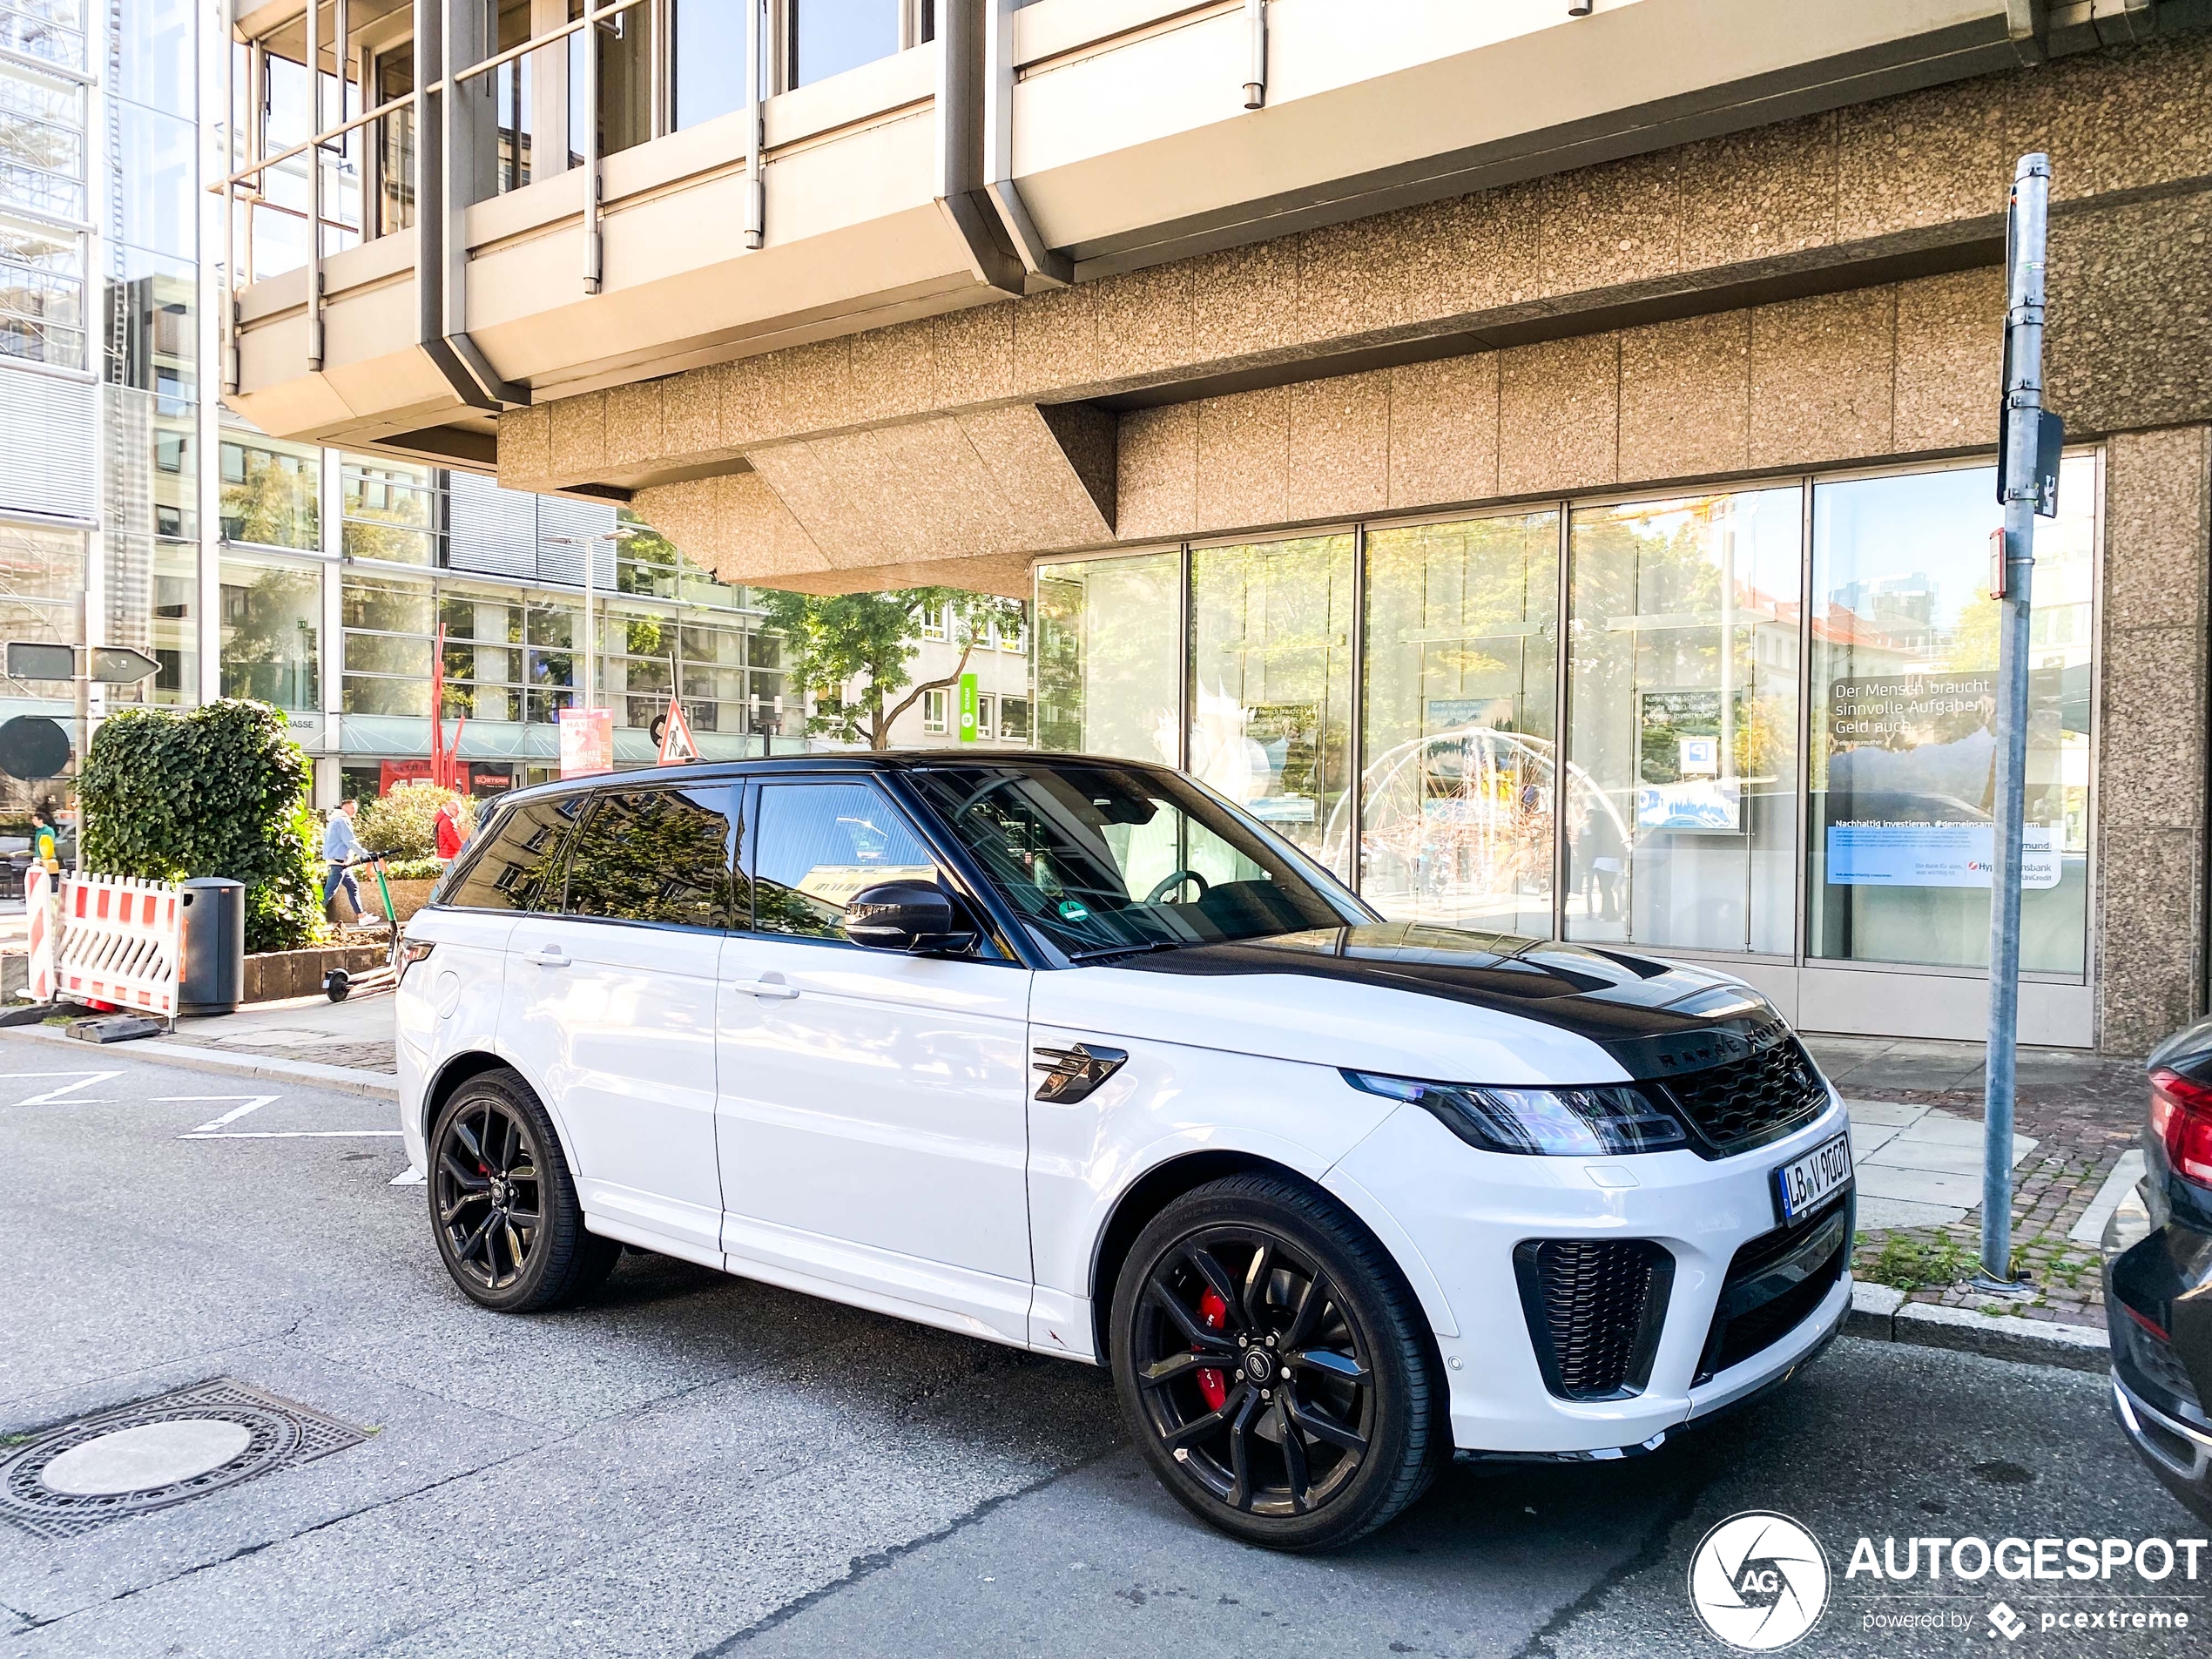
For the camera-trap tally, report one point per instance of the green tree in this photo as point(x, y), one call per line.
point(219, 790)
point(856, 652)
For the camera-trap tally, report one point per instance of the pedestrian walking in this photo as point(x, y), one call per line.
point(342, 849)
point(451, 833)
point(45, 847)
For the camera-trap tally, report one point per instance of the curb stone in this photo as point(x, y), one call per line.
point(1882, 1314)
point(349, 1079)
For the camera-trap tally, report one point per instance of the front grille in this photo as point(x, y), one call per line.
point(1775, 1282)
point(1747, 1103)
point(1594, 1308)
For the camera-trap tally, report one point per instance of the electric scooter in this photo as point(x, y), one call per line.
point(338, 984)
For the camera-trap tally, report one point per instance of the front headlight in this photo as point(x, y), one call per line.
point(1595, 1121)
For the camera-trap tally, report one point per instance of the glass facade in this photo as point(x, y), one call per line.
point(1621, 721)
point(1270, 714)
point(1903, 686)
point(1682, 689)
point(1462, 643)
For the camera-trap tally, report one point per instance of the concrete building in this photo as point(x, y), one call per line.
point(1540, 458)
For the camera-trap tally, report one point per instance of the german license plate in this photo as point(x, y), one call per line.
point(1804, 1184)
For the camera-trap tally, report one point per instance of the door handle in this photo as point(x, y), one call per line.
point(549, 956)
point(771, 986)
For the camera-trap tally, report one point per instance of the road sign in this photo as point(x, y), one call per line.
point(32, 659)
point(677, 745)
point(32, 746)
point(121, 666)
point(29, 659)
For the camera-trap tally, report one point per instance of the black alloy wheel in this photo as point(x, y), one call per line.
point(502, 1204)
point(1274, 1367)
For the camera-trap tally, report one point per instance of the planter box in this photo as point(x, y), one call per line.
point(279, 974)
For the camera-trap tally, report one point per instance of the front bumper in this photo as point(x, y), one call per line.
point(1464, 1212)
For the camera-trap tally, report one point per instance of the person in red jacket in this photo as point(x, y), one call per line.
point(450, 834)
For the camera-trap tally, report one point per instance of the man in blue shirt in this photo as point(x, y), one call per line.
point(341, 847)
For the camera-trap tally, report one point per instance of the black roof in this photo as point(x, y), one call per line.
point(865, 762)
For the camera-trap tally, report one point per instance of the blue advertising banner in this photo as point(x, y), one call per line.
point(1934, 855)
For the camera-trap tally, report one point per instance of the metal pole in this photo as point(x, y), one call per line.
point(756, 190)
point(82, 687)
point(589, 100)
point(2021, 437)
point(1255, 72)
point(590, 559)
point(315, 193)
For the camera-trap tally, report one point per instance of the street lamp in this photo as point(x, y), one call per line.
point(621, 533)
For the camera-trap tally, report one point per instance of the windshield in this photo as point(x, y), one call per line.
point(1102, 859)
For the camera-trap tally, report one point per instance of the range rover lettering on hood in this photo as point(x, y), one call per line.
point(1655, 1019)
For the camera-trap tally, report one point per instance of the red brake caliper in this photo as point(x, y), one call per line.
point(1213, 1312)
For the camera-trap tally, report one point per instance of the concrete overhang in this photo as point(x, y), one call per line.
point(1127, 143)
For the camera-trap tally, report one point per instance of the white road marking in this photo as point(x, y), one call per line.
point(254, 1103)
point(296, 1135)
point(84, 1079)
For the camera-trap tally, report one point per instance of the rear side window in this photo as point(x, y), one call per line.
point(519, 868)
point(657, 855)
point(820, 844)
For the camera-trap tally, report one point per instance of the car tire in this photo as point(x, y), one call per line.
point(1342, 1423)
point(504, 1207)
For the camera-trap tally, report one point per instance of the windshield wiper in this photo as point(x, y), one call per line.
point(1126, 950)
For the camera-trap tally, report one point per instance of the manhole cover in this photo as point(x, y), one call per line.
point(158, 1452)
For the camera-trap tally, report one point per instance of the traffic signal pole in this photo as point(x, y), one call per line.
point(2028, 485)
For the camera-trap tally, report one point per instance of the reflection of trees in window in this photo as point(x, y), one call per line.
point(269, 635)
point(269, 497)
point(657, 855)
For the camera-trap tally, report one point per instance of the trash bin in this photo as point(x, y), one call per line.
point(210, 966)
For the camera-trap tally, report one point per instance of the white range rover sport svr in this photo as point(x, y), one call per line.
point(1070, 1053)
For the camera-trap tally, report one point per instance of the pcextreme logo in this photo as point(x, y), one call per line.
point(1759, 1580)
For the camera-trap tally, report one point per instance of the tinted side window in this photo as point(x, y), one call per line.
point(656, 855)
point(521, 869)
point(820, 844)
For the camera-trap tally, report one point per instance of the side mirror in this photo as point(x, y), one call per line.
point(916, 918)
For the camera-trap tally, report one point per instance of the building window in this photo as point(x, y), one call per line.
point(173, 625)
point(1462, 652)
point(933, 711)
point(1108, 663)
point(271, 628)
point(1269, 726)
point(1683, 697)
point(390, 511)
point(936, 622)
point(42, 294)
point(388, 623)
point(42, 138)
point(1014, 719)
point(270, 494)
point(1904, 685)
point(709, 50)
point(826, 37)
point(985, 726)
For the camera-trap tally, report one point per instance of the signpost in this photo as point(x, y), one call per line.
point(2027, 484)
point(39, 659)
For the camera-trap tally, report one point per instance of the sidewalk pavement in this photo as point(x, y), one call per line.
point(356, 1033)
point(1916, 1137)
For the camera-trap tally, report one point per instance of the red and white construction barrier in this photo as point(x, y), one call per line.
point(119, 942)
point(38, 912)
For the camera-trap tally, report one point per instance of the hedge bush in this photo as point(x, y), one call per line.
point(220, 790)
point(404, 823)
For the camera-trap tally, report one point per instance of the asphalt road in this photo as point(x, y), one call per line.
point(699, 1465)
